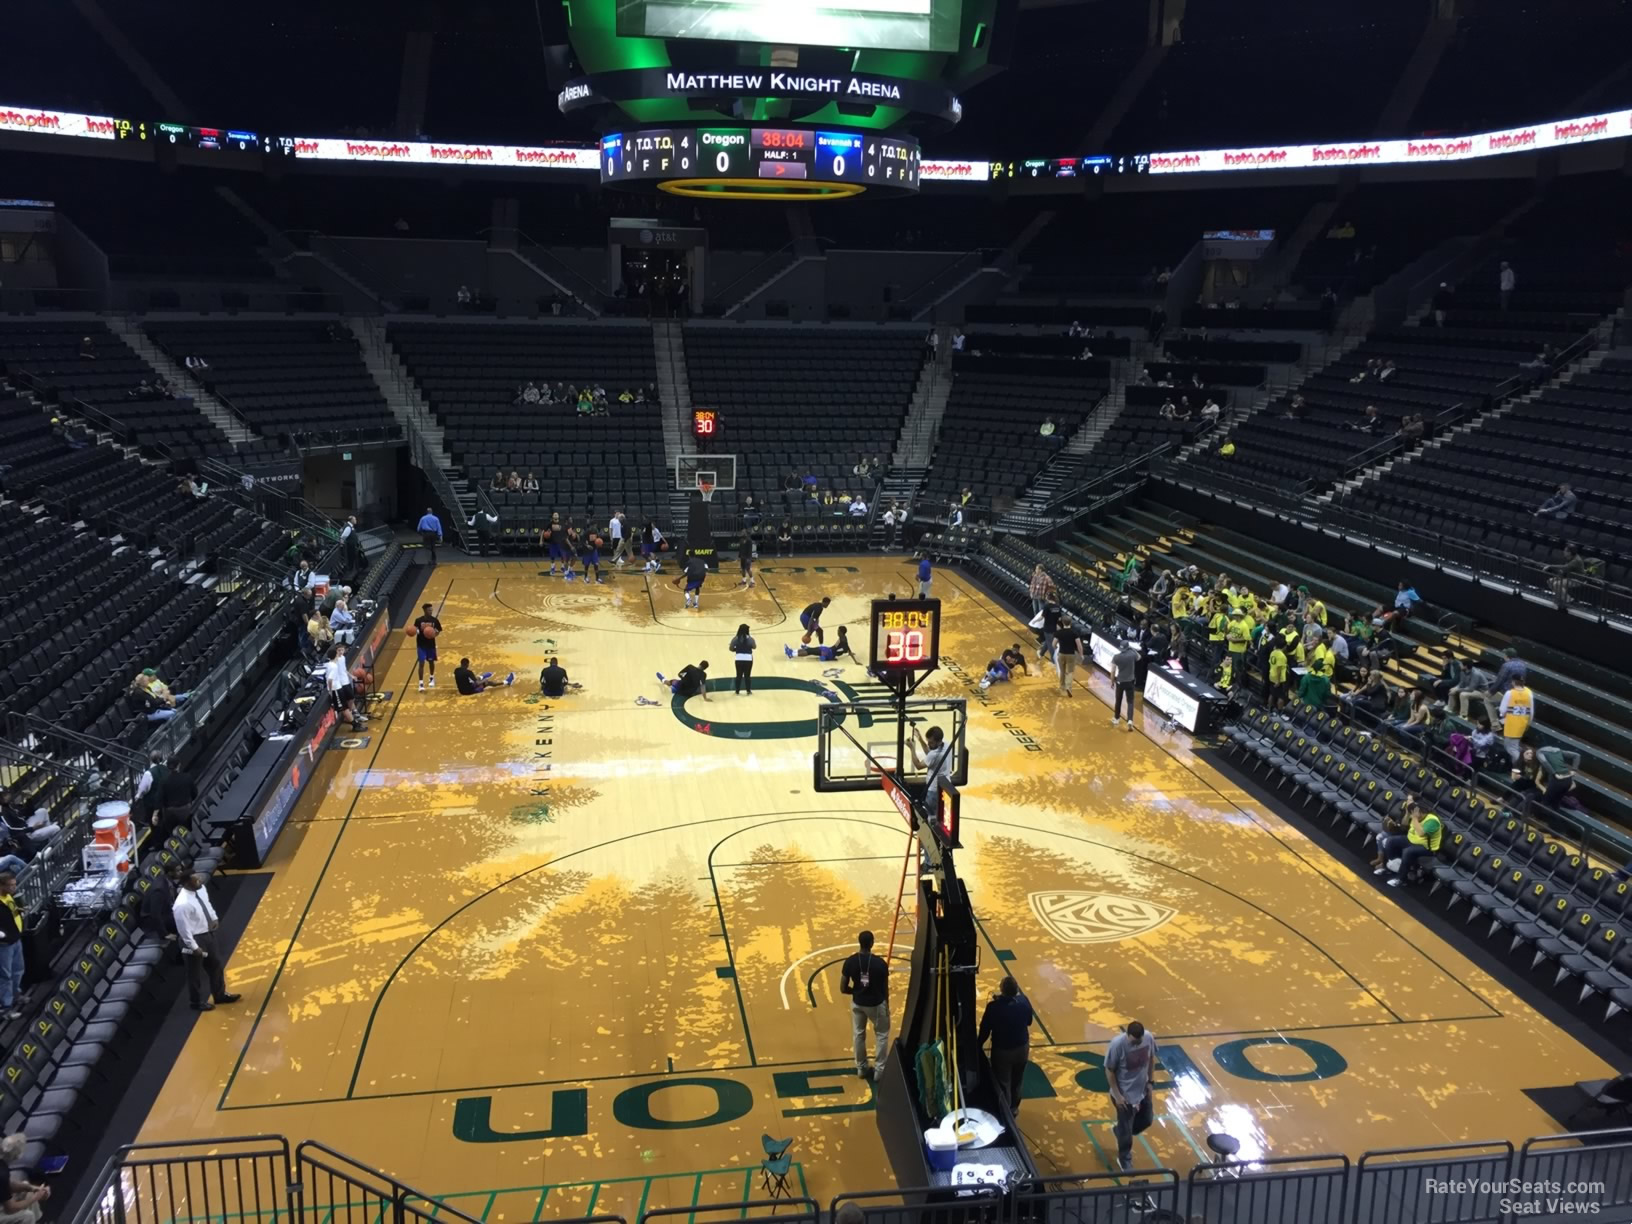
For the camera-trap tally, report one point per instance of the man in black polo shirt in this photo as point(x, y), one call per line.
point(1007, 1021)
point(866, 979)
point(552, 681)
point(1067, 645)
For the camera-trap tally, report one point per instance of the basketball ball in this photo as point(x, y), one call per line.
point(430, 632)
point(408, 631)
point(663, 547)
point(546, 533)
point(596, 541)
point(362, 676)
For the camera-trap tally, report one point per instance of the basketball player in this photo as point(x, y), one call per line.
point(592, 558)
point(558, 542)
point(651, 540)
point(469, 683)
point(811, 620)
point(692, 680)
point(745, 559)
point(425, 643)
point(695, 572)
point(840, 647)
point(573, 545)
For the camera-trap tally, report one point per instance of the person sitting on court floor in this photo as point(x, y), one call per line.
point(840, 647)
point(553, 682)
point(997, 672)
point(692, 680)
point(1015, 659)
point(469, 683)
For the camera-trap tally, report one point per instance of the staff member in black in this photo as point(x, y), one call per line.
point(742, 653)
point(866, 979)
point(1007, 1021)
point(1067, 644)
point(158, 903)
point(1050, 625)
point(552, 681)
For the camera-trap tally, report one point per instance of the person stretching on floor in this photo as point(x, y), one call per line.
point(841, 646)
point(692, 680)
point(469, 683)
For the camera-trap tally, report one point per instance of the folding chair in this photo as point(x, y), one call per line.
point(773, 1170)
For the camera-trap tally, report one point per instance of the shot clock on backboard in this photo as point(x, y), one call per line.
point(906, 637)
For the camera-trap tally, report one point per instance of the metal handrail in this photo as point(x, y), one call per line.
point(1491, 562)
point(720, 298)
point(426, 458)
point(587, 294)
point(1079, 491)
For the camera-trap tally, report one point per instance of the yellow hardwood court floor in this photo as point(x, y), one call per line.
point(547, 957)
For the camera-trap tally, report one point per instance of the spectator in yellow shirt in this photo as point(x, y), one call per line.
point(1278, 673)
point(1518, 708)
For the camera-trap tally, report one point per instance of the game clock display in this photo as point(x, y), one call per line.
point(906, 636)
point(705, 422)
point(766, 154)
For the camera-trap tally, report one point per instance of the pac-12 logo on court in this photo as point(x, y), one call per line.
point(1082, 917)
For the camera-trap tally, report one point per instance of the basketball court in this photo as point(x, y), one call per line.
point(550, 957)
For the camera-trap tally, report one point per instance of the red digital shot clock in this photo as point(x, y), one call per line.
point(906, 636)
point(705, 422)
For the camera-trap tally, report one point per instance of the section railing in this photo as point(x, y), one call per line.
point(259, 1180)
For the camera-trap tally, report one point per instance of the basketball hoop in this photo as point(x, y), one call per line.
point(706, 488)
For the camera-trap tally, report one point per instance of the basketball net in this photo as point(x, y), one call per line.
point(706, 488)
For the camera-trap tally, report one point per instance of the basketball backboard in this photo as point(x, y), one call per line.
point(692, 471)
point(857, 740)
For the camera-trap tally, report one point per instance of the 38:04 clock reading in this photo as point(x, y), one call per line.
point(906, 635)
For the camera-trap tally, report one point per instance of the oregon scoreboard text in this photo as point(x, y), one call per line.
point(744, 156)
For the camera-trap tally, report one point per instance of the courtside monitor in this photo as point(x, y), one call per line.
point(872, 25)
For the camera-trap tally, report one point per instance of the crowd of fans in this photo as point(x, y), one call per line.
point(592, 399)
point(1287, 645)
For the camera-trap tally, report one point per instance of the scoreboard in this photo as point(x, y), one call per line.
point(709, 158)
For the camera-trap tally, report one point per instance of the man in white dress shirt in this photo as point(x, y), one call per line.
point(195, 927)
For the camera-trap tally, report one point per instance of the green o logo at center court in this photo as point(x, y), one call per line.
point(702, 722)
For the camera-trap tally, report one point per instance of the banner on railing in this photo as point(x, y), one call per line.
point(1410, 151)
point(1416, 150)
point(438, 153)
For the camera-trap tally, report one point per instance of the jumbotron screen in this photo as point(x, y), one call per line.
point(874, 25)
